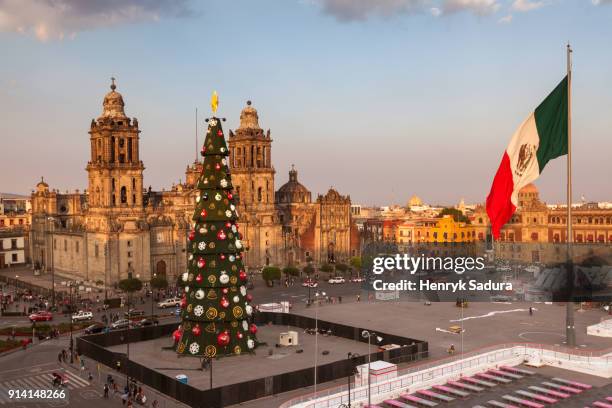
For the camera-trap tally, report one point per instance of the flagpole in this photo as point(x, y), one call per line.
point(196, 136)
point(570, 332)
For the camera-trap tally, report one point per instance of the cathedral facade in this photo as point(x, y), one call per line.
point(117, 226)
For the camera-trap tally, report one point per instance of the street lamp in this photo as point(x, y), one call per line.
point(368, 335)
point(317, 295)
point(350, 356)
point(154, 277)
point(51, 219)
point(70, 311)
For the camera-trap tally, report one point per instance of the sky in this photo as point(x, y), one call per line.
point(380, 99)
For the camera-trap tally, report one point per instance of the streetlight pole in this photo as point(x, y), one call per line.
point(71, 339)
point(350, 357)
point(154, 277)
point(368, 335)
point(317, 294)
point(51, 219)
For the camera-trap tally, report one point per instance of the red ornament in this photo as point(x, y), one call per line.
point(224, 290)
point(191, 235)
point(249, 297)
point(203, 150)
point(228, 224)
point(176, 335)
point(219, 132)
point(196, 330)
point(199, 278)
point(221, 235)
point(184, 302)
point(203, 213)
point(253, 328)
point(223, 339)
point(239, 335)
point(201, 263)
point(222, 256)
point(229, 195)
point(242, 275)
point(217, 166)
point(224, 302)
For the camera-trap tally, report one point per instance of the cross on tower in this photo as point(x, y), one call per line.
point(113, 86)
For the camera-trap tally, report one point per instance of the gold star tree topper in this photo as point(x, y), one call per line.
point(214, 102)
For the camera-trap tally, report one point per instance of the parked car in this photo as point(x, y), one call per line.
point(81, 315)
point(172, 302)
point(336, 279)
point(309, 283)
point(358, 279)
point(147, 322)
point(95, 328)
point(41, 316)
point(134, 313)
point(120, 324)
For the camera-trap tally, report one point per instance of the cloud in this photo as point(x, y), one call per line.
point(478, 7)
point(59, 19)
point(360, 10)
point(505, 19)
point(601, 2)
point(526, 5)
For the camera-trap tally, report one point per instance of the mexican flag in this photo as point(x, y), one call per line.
point(540, 138)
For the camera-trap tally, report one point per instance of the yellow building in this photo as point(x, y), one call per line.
point(434, 231)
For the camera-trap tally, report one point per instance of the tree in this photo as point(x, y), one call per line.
point(130, 285)
point(215, 305)
point(308, 270)
point(291, 271)
point(342, 268)
point(356, 262)
point(326, 268)
point(271, 273)
point(457, 215)
point(159, 282)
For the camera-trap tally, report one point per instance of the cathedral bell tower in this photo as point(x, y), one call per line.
point(115, 169)
point(253, 178)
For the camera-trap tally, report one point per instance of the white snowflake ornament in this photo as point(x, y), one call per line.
point(194, 348)
point(250, 343)
point(202, 245)
point(238, 244)
point(236, 299)
point(185, 276)
point(198, 310)
point(243, 291)
point(224, 278)
point(228, 213)
point(245, 325)
point(249, 309)
point(199, 294)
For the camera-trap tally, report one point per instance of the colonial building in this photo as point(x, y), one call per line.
point(538, 232)
point(117, 226)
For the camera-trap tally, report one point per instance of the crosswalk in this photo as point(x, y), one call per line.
point(43, 381)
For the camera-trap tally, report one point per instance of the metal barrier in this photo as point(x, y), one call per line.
point(448, 366)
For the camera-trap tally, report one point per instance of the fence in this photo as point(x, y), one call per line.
point(420, 374)
point(94, 346)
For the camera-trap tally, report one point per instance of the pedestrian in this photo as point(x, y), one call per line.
point(59, 357)
point(129, 403)
point(118, 365)
point(359, 298)
point(106, 391)
point(530, 311)
point(339, 299)
point(124, 398)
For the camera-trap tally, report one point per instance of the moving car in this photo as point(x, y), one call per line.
point(147, 322)
point(81, 315)
point(309, 283)
point(95, 328)
point(336, 279)
point(358, 279)
point(41, 316)
point(134, 313)
point(120, 324)
point(172, 302)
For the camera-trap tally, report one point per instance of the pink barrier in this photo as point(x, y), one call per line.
point(573, 383)
point(600, 404)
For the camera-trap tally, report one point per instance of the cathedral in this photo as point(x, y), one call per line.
point(117, 226)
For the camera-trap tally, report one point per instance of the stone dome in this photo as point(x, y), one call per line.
point(529, 188)
point(293, 191)
point(113, 105)
point(249, 119)
point(415, 201)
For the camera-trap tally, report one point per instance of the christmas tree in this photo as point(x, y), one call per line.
point(215, 304)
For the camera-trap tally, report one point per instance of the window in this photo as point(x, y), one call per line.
point(1, 223)
point(65, 245)
point(11, 221)
point(76, 247)
point(123, 195)
point(129, 254)
point(54, 243)
point(259, 195)
point(129, 243)
point(13, 244)
point(96, 250)
point(14, 257)
point(21, 221)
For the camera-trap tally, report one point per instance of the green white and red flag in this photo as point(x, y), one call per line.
point(542, 137)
